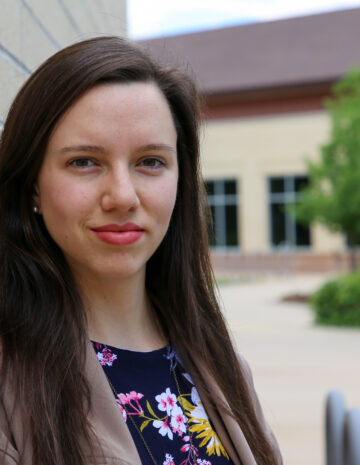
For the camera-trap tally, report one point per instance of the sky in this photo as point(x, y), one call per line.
point(155, 18)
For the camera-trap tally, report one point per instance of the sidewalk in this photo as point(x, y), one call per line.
point(294, 362)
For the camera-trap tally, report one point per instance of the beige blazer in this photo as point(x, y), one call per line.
point(111, 429)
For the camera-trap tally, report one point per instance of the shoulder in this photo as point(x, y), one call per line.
point(245, 368)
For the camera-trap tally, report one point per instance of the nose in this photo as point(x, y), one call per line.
point(119, 191)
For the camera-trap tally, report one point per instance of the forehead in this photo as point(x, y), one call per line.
point(117, 110)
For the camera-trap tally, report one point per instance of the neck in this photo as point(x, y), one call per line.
point(120, 314)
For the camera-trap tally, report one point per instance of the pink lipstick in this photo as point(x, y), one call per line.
point(119, 234)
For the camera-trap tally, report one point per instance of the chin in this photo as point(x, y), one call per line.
point(108, 270)
point(124, 270)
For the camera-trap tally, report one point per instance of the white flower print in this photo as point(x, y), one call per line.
point(203, 462)
point(195, 398)
point(188, 377)
point(166, 401)
point(198, 413)
point(164, 428)
point(169, 460)
point(178, 420)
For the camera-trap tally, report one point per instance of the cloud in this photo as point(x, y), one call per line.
point(162, 17)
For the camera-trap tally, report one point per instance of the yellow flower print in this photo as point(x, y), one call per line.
point(199, 424)
point(202, 426)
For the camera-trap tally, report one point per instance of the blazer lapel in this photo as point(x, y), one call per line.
point(106, 417)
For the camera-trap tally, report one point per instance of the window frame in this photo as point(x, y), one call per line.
point(219, 200)
point(287, 197)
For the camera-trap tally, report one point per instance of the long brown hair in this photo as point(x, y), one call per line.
point(42, 319)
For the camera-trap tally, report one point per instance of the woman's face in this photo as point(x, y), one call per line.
point(107, 185)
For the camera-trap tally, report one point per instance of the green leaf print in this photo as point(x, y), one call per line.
point(151, 410)
point(185, 404)
point(144, 424)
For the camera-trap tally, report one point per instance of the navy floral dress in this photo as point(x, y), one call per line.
point(171, 418)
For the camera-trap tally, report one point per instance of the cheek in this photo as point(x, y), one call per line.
point(163, 199)
point(60, 201)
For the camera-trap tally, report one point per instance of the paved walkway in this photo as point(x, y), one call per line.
point(294, 362)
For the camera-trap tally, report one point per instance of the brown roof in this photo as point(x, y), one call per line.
point(290, 52)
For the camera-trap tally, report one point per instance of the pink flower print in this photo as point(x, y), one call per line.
point(122, 410)
point(106, 357)
point(169, 460)
point(166, 400)
point(123, 399)
point(132, 399)
point(191, 450)
point(133, 395)
point(203, 462)
point(185, 448)
point(164, 428)
point(178, 420)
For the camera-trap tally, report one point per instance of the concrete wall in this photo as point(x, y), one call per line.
point(251, 150)
point(32, 30)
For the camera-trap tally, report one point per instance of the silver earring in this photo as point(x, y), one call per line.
point(35, 209)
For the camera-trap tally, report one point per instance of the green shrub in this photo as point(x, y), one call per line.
point(338, 302)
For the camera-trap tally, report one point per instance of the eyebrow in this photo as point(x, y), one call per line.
point(82, 148)
point(160, 146)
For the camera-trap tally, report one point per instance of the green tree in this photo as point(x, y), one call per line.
point(333, 194)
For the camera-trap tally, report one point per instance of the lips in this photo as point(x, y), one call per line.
point(118, 227)
point(115, 234)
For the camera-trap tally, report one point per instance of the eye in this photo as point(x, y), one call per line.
point(82, 163)
point(151, 162)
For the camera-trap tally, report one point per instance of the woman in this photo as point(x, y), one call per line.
point(103, 239)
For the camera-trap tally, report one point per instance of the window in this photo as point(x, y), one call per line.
point(285, 231)
point(222, 195)
point(347, 241)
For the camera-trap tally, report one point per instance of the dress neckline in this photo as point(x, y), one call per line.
point(98, 344)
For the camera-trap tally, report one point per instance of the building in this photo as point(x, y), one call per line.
point(32, 30)
point(264, 86)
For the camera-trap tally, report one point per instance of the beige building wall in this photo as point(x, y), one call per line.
point(32, 30)
point(253, 149)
